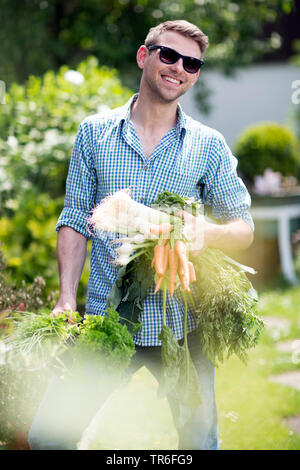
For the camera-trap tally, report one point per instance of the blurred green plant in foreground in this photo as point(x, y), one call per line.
point(20, 391)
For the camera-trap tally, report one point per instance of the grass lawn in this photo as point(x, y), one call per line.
point(252, 409)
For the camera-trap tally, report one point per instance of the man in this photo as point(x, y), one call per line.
point(149, 145)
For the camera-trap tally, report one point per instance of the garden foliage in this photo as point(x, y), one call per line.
point(38, 125)
point(268, 145)
point(19, 297)
point(55, 33)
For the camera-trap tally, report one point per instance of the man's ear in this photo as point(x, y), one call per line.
point(195, 78)
point(141, 56)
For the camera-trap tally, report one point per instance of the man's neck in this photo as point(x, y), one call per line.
point(153, 116)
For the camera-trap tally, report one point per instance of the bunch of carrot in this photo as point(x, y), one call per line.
point(171, 257)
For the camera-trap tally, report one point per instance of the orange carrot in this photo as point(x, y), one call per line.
point(159, 259)
point(181, 250)
point(161, 256)
point(173, 265)
point(163, 262)
point(165, 239)
point(193, 277)
point(166, 258)
point(158, 284)
point(184, 274)
point(184, 277)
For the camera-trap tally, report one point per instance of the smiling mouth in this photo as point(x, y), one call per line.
point(169, 79)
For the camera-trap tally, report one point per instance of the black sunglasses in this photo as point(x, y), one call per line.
point(169, 56)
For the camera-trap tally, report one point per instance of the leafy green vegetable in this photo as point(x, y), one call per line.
point(179, 377)
point(67, 341)
point(38, 339)
point(223, 298)
point(130, 290)
point(225, 305)
point(170, 202)
point(105, 342)
point(172, 359)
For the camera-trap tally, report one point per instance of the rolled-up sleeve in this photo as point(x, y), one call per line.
point(80, 184)
point(225, 192)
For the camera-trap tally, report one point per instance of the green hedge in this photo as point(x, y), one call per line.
point(267, 145)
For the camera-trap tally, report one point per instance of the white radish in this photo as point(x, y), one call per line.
point(121, 214)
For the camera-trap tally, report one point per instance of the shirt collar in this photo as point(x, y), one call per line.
point(124, 116)
point(182, 121)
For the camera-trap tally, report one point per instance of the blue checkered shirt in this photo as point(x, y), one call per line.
point(107, 156)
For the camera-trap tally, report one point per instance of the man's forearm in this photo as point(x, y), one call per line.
point(71, 254)
point(236, 235)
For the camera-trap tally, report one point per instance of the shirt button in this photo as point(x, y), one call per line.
point(146, 167)
point(142, 199)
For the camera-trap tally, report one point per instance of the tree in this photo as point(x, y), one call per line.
point(38, 35)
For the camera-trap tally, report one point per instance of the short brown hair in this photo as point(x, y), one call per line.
point(180, 26)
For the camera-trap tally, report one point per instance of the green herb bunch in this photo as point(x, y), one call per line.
point(66, 341)
point(38, 339)
point(224, 302)
point(105, 342)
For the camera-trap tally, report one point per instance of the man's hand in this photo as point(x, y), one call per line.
point(195, 229)
point(64, 306)
point(232, 236)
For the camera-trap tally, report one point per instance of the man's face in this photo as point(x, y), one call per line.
point(157, 76)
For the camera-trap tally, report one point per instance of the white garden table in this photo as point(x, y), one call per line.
point(282, 215)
